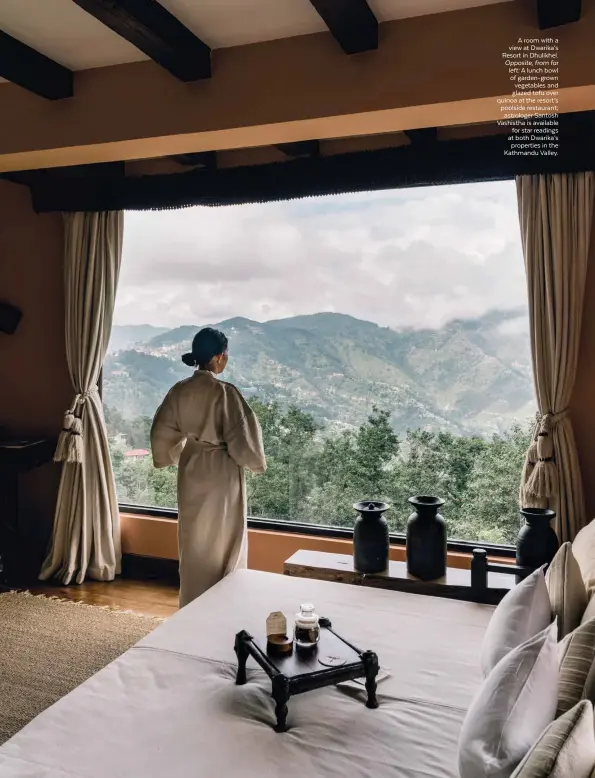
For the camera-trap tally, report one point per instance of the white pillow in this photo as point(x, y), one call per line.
point(512, 708)
point(583, 548)
point(524, 611)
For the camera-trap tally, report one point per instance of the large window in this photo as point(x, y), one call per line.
point(382, 339)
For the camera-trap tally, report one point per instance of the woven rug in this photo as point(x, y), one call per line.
point(50, 646)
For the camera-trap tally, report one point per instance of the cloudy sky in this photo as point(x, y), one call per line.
point(413, 257)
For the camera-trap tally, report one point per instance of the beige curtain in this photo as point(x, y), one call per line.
point(556, 214)
point(86, 535)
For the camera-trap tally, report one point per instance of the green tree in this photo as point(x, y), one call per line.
point(437, 463)
point(490, 511)
point(163, 484)
point(136, 432)
point(316, 477)
point(355, 466)
point(288, 441)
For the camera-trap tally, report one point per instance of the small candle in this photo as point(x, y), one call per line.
point(278, 644)
point(276, 624)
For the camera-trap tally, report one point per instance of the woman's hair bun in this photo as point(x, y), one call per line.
point(208, 343)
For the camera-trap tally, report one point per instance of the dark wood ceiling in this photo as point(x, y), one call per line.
point(28, 68)
point(411, 157)
point(352, 23)
point(156, 32)
point(150, 27)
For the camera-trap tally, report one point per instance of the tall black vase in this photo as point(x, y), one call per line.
point(537, 542)
point(370, 537)
point(426, 539)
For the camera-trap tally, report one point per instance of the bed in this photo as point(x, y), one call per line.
point(170, 707)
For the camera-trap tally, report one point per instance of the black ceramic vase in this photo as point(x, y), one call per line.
point(537, 542)
point(370, 537)
point(426, 539)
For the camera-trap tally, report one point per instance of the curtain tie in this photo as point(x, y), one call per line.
point(547, 421)
point(82, 397)
point(540, 473)
point(70, 442)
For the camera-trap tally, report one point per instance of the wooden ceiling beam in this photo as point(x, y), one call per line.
point(156, 32)
point(351, 22)
point(301, 148)
point(555, 13)
point(32, 70)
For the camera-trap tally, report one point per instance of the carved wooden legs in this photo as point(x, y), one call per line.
point(281, 697)
point(370, 662)
point(242, 654)
point(283, 686)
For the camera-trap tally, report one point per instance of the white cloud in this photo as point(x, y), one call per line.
point(415, 257)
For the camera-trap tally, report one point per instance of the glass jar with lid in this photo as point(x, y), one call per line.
point(307, 628)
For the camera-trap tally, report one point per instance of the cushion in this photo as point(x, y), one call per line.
point(576, 653)
point(511, 709)
point(565, 750)
point(589, 612)
point(522, 613)
point(568, 596)
point(583, 548)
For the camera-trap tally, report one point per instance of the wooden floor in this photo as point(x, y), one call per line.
point(149, 597)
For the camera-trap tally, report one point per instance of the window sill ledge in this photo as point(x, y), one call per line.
point(156, 537)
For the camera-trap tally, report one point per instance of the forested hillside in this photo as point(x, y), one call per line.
point(469, 377)
point(316, 479)
point(351, 411)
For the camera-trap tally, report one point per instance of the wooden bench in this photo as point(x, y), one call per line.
point(486, 582)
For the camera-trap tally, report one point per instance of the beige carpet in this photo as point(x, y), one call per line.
point(49, 646)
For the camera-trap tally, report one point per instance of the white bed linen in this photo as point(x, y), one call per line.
point(169, 706)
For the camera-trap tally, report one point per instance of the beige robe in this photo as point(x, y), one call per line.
point(206, 427)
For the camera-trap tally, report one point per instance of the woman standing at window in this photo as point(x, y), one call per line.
point(206, 427)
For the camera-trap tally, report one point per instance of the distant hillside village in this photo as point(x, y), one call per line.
point(470, 377)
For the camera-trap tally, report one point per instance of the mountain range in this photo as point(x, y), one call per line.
point(469, 376)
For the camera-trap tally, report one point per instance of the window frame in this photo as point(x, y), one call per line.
point(318, 530)
point(323, 531)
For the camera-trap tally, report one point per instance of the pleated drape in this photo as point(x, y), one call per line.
point(86, 534)
point(556, 217)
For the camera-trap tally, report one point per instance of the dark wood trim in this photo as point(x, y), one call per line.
point(198, 159)
point(156, 32)
point(424, 135)
point(446, 162)
point(111, 170)
point(23, 177)
point(34, 71)
point(555, 13)
point(97, 170)
point(146, 567)
point(302, 148)
point(482, 568)
point(351, 22)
